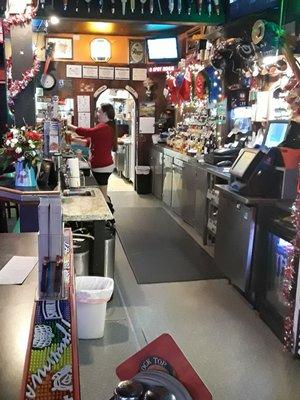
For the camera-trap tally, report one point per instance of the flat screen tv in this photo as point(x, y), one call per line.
point(162, 49)
point(240, 8)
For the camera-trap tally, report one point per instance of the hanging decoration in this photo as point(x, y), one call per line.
point(289, 279)
point(15, 87)
point(19, 19)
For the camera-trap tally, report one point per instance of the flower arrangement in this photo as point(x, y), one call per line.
point(21, 145)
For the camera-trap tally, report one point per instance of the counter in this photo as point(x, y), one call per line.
point(87, 208)
point(16, 304)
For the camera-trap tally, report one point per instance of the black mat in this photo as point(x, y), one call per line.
point(159, 250)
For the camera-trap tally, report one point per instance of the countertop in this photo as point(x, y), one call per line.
point(221, 172)
point(16, 305)
point(86, 208)
point(249, 201)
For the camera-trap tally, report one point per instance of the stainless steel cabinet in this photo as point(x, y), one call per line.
point(201, 201)
point(189, 187)
point(177, 189)
point(156, 164)
point(234, 240)
point(167, 180)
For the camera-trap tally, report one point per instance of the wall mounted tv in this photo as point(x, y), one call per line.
point(240, 8)
point(163, 49)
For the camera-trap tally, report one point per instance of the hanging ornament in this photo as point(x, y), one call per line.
point(65, 3)
point(19, 19)
point(200, 84)
point(185, 89)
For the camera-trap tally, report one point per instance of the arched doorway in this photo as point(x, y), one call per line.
point(125, 109)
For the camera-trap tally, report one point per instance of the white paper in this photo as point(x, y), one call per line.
point(147, 125)
point(84, 120)
point(122, 73)
point(106, 72)
point(139, 74)
point(89, 71)
point(16, 270)
point(83, 104)
point(73, 71)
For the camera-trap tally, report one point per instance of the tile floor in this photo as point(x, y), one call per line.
point(231, 348)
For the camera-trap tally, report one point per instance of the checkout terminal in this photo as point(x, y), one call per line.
point(272, 170)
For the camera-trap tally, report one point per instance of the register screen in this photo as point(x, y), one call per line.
point(276, 134)
point(242, 163)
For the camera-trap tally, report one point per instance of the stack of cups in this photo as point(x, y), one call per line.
point(73, 164)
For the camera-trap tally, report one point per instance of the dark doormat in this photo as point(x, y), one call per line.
point(159, 250)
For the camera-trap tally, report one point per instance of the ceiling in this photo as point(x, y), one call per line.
point(111, 28)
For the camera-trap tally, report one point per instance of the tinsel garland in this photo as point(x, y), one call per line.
point(289, 279)
point(16, 86)
point(19, 19)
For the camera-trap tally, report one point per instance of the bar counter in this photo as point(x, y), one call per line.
point(16, 305)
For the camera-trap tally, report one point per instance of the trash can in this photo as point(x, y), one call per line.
point(81, 256)
point(109, 250)
point(143, 179)
point(92, 295)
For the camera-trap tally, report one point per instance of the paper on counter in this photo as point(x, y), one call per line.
point(16, 270)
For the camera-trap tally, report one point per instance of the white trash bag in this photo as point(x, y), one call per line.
point(92, 295)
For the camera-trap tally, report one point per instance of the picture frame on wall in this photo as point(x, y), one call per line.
point(73, 71)
point(63, 49)
point(90, 71)
point(137, 51)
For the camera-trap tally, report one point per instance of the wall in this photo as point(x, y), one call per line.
point(81, 47)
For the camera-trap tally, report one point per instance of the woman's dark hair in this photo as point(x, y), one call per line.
point(109, 110)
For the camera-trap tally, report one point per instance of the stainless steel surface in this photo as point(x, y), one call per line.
point(81, 263)
point(167, 180)
point(109, 256)
point(243, 199)
point(156, 164)
point(201, 201)
point(126, 170)
point(177, 189)
point(189, 190)
point(79, 192)
point(234, 240)
point(16, 305)
point(120, 159)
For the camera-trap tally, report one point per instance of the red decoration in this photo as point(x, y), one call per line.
point(19, 19)
point(200, 84)
point(15, 87)
point(289, 278)
point(185, 89)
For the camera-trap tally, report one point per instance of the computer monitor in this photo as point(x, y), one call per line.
point(163, 49)
point(246, 163)
point(276, 133)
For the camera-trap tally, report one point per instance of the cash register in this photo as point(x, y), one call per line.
point(272, 170)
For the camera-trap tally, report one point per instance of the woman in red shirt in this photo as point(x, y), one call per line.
point(103, 139)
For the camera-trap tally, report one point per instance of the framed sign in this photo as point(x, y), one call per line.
point(139, 74)
point(89, 71)
point(122, 73)
point(73, 71)
point(106, 72)
point(137, 51)
point(63, 49)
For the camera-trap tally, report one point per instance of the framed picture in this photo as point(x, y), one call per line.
point(137, 51)
point(106, 72)
point(63, 49)
point(89, 71)
point(122, 73)
point(73, 71)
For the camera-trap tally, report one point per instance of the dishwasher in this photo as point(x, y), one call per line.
point(177, 187)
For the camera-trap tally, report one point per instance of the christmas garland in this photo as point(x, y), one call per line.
point(15, 87)
point(289, 279)
point(19, 19)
